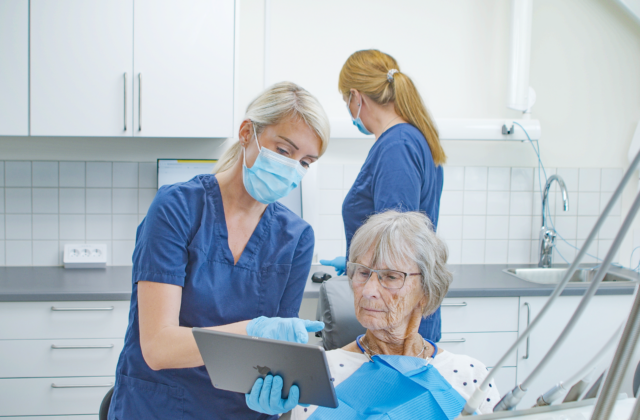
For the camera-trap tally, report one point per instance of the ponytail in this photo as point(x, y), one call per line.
point(370, 72)
point(229, 158)
point(408, 104)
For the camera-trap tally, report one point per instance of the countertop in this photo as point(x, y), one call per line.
point(38, 284)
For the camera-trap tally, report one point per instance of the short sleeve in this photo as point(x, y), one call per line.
point(398, 178)
point(161, 254)
point(292, 297)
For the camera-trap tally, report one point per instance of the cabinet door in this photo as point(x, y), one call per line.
point(183, 68)
point(14, 68)
point(598, 323)
point(81, 55)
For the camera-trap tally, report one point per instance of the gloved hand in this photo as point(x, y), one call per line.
point(285, 329)
point(266, 396)
point(339, 263)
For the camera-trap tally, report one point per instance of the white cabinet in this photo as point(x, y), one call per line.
point(482, 328)
point(14, 67)
point(123, 68)
point(598, 323)
point(81, 56)
point(60, 357)
point(183, 66)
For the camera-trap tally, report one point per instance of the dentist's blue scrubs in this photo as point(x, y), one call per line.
point(184, 241)
point(398, 174)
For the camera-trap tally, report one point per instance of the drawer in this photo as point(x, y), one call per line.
point(51, 358)
point(38, 320)
point(480, 314)
point(486, 347)
point(52, 396)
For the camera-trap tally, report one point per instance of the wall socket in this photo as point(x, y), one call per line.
point(85, 256)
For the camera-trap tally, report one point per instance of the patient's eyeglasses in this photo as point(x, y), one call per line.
point(389, 279)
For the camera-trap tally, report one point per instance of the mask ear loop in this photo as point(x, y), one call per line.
point(359, 106)
point(244, 152)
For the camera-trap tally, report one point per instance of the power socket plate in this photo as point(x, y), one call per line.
point(85, 256)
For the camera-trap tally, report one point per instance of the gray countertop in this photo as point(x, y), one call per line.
point(37, 284)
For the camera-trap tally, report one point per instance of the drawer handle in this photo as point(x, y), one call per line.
point(453, 340)
point(56, 347)
point(109, 385)
point(526, 356)
point(454, 304)
point(57, 309)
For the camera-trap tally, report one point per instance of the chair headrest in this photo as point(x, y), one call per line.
point(336, 310)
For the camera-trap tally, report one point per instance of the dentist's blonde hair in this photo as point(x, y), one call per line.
point(377, 75)
point(280, 102)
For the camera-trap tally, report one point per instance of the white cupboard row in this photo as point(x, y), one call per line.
point(148, 68)
point(61, 356)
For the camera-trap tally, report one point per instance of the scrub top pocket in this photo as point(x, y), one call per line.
point(140, 399)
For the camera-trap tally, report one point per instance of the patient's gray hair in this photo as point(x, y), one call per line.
point(399, 239)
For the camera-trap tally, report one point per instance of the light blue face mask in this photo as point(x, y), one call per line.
point(357, 121)
point(272, 175)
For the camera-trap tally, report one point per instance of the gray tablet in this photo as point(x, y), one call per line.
point(234, 362)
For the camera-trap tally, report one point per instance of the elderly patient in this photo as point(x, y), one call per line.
point(397, 270)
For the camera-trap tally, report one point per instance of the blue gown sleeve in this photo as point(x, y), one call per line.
point(161, 253)
point(397, 179)
point(292, 296)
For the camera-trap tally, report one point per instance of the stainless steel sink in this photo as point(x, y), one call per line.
point(581, 275)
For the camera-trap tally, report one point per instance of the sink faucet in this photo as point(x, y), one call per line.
point(548, 234)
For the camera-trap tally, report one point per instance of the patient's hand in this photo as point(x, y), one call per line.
point(266, 396)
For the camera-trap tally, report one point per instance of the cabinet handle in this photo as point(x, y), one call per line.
point(107, 385)
point(125, 101)
point(57, 309)
point(139, 101)
point(453, 340)
point(56, 347)
point(526, 356)
point(455, 304)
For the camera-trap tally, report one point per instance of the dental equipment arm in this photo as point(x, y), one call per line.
point(509, 401)
point(478, 396)
point(619, 365)
point(555, 392)
point(580, 387)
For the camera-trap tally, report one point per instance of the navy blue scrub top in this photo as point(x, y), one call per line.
point(398, 174)
point(184, 241)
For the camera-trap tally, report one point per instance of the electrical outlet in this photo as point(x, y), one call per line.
point(85, 256)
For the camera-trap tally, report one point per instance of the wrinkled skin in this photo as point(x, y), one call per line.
point(391, 317)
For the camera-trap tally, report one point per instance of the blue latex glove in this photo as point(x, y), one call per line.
point(286, 329)
point(266, 396)
point(339, 263)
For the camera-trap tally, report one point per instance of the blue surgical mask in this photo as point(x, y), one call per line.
point(357, 121)
point(272, 175)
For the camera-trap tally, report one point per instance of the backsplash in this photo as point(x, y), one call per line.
point(491, 215)
point(487, 214)
point(45, 205)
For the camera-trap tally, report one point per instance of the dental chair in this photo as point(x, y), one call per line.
point(335, 309)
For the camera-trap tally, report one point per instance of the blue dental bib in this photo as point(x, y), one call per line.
point(394, 388)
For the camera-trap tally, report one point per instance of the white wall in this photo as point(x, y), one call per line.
point(585, 67)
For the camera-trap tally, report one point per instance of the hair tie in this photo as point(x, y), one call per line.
point(390, 75)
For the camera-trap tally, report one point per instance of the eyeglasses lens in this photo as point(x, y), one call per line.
point(389, 279)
